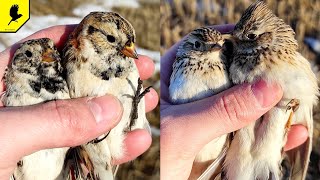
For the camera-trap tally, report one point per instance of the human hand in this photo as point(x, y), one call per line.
point(187, 128)
point(64, 123)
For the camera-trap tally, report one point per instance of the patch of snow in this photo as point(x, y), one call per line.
point(155, 131)
point(103, 5)
point(2, 47)
point(85, 9)
point(314, 44)
point(119, 3)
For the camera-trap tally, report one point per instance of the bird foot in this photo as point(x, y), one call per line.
point(136, 100)
point(292, 106)
point(141, 95)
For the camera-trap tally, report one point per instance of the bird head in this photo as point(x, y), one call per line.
point(203, 40)
point(34, 54)
point(259, 28)
point(110, 31)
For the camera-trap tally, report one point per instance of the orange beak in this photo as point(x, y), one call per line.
point(130, 51)
point(48, 56)
point(226, 36)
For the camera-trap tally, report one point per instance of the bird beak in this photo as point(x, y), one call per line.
point(216, 47)
point(130, 51)
point(226, 36)
point(48, 56)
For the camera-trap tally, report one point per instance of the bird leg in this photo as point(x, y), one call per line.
point(292, 106)
point(135, 101)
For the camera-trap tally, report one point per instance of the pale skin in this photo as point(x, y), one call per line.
point(186, 128)
point(65, 123)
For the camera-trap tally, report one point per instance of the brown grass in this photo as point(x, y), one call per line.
point(145, 21)
point(179, 17)
point(57, 7)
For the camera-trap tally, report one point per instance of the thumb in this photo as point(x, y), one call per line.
point(202, 121)
point(61, 123)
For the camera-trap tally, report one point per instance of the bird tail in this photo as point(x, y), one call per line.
point(9, 22)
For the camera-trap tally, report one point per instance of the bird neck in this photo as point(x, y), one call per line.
point(111, 64)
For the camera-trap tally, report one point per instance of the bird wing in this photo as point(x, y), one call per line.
point(14, 10)
point(299, 157)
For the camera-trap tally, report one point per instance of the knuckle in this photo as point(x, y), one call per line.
point(69, 121)
point(232, 108)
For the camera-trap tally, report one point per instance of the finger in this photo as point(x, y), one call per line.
point(136, 143)
point(226, 28)
point(151, 99)
point(298, 134)
point(217, 115)
point(59, 34)
point(168, 58)
point(145, 67)
point(62, 123)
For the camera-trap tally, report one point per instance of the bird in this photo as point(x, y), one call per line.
point(264, 48)
point(35, 76)
point(200, 70)
point(98, 59)
point(14, 13)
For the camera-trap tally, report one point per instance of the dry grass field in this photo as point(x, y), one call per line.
point(179, 17)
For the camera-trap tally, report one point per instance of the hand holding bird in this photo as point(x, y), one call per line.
point(60, 131)
point(187, 128)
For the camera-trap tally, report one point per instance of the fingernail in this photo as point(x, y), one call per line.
point(105, 108)
point(267, 94)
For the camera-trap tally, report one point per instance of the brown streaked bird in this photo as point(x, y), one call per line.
point(200, 71)
point(35, 76)
point(264, 48)
point(99, 59)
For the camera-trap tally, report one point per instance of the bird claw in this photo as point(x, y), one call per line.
point(95, 141)
point(293, 105)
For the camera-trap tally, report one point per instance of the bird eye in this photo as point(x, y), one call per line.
point(197, 44)
point(111, 38)
point(251, 36)
point(28, 53)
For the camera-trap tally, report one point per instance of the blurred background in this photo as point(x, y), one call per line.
point(179, 17)
point(144, 16)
